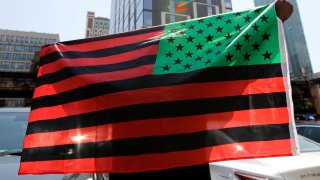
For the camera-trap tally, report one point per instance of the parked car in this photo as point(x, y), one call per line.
point(305, 166)
point(13, 124)
point(310, 130)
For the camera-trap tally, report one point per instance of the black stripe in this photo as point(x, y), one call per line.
point(214, 74)
point(73, 71)
point(160, 110)
point(158, 144)
point(112, 36)
point(97, 53)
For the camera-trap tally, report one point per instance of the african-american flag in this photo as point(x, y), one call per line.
point(187, 93)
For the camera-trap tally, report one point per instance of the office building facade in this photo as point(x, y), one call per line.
point(129, 15)
point(300, 64)
point(17, 53)
point(17, 48)
point(96, 26)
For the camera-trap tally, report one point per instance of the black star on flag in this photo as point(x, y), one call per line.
point(190, 39)
point(191, 27)
point(228, 21)
point(169, 54)
point(255, 27)
point(177, 61)
point(187, 66)
point(209, 38)
point(198, 58)
point(248, 18)
point(199, 46)
point(218, 44)
point(219, 29)
point(238, 46)
point(264, 18)
point(247, 37)
point(180, 47)
point(237, 27)
point(189, 54)
point(200, 31)
point(228, 36)
point(256, 46)
point(166, 68)
point(246, 56)
point(208, 62)
point(228, 57)
point(267, 55)
point(265, 36)
point(209, 24)
point(171, 40)
point(209, 51)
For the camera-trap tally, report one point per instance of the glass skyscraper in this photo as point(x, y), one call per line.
point(300, 64)
point(128, 15)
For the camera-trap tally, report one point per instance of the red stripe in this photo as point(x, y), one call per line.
point(148, 162)
point(157, 127)
point(87, 79)
point(100, 44)
point(160, 94)
point(62, 63)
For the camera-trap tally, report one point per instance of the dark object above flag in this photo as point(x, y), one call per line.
point(283, 9)
point(188, 93)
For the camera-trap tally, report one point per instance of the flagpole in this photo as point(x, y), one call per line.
point(284, 10)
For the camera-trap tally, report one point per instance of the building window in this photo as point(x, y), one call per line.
point(32, 40)
point(147, 4)
point(8, 38)
point(26, 48)
point(228, 4)
point(30, 57)
point(18, 65)
point(139, 8)
point(22, 39)
point(147, 18)
point(34, 49)
point(11, 48)
point(4, 65)
point(12, 38)
point(28, 66)
point(19, 57)
point(2, 38)
point(1, 47)
point(139, 22)
point(26, 40)
point(6, 56)
point(18, 39)
point(19, 48)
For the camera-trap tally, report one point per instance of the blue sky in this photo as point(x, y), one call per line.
point(68, 18)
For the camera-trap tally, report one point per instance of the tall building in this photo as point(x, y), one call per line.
point(17, 48)
point(300, 64)
point(96, 26)
point(128, 15)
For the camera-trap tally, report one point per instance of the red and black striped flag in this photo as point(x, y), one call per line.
point(187, 93)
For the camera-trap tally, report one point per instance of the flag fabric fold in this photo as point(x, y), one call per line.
point(187, 93)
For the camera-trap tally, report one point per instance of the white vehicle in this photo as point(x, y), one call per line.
point(305, 166)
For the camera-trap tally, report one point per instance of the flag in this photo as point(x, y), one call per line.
point(187, 93)
point(181, 5)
